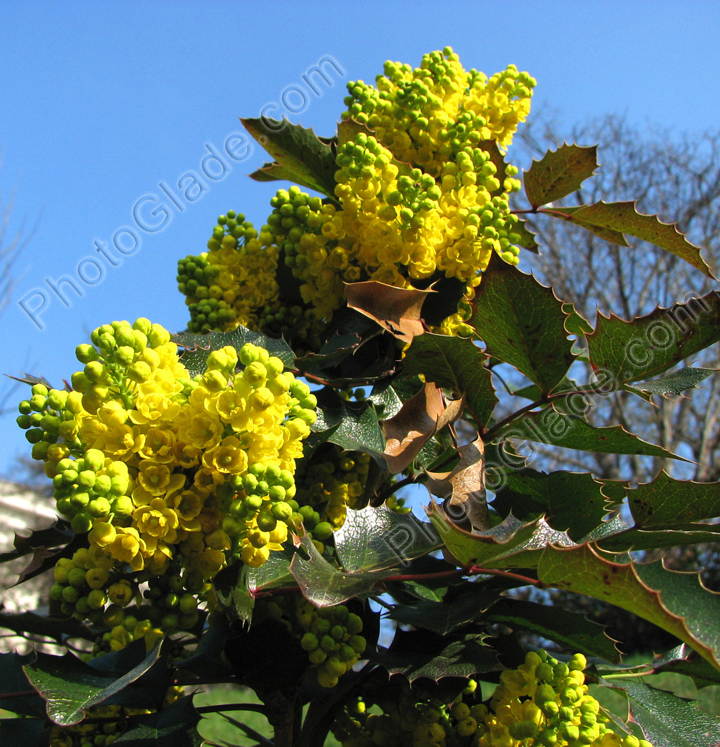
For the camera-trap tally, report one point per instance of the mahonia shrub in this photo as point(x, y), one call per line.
point(230, 498)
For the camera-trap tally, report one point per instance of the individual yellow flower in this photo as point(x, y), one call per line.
point(227, 457)
point(156, 521)
point(127, 547)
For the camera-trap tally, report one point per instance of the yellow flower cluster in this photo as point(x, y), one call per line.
point(542, 703)
point(167, 472)
point(232, 283)
point(422, 194)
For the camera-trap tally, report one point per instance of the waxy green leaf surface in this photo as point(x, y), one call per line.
point(612, 221)
point(621, 352)
point(522, 323)
point(647, 590)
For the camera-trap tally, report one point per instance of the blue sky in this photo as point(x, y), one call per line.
point(106, 105)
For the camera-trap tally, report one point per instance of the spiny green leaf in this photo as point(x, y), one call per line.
point(354, 426)
point(501, 543)
point(29, 622)
point(70, 686)
point(647, 590)
point(676, 382)
point(454, 363)
point(661, 536)
point(621, 351)
point(683, 660)
point(665, 501)
point(421, 653)
point(522, 323)
point(551, 426)
point(324, 585)
point(576, 324)
point(197, 348)
point(58, 533)
point(571, 502)
point(445, 617)
point(174, 726)
point(613, 220)
point(302, 156)
point(569, 629)
point(378, 538)
point(559, 173)
point(669, 721)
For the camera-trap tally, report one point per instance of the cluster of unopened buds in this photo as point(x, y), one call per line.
point(542, 703)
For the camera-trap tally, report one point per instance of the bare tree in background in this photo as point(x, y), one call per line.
point(673, 176)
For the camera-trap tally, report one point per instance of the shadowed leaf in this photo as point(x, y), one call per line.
point(454, 363)
point(197, 348)
point(522, 323)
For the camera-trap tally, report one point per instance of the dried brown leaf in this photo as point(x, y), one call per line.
point(464, 488)
point(408, 431)
point(395, 309)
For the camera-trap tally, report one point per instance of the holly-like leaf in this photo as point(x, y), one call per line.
point(621, 352)
point(197, 348)
point(675, 383)
point(354, 426)
point(683, 660)
point(464, 488)
point(666, 720)
point(660, 536)
point(29, 622)
point(323, 584)
point(386, 400)
point(559, 173)
point(576, 324)
point(665, 501)
point(647, 590)
point(349, 129)
point(522, 323)
point(551, 426)
point(174, 726)
point(378, 538)
point(58, 533)
point(70, 687)
point(502, 544)
point(454, 363)
point(397, 310)
point(422, 653)
point(445, 617)
point(571, 502)
point(302, 155)
point(611, 218)
point(419, 418)
point(569, 629)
